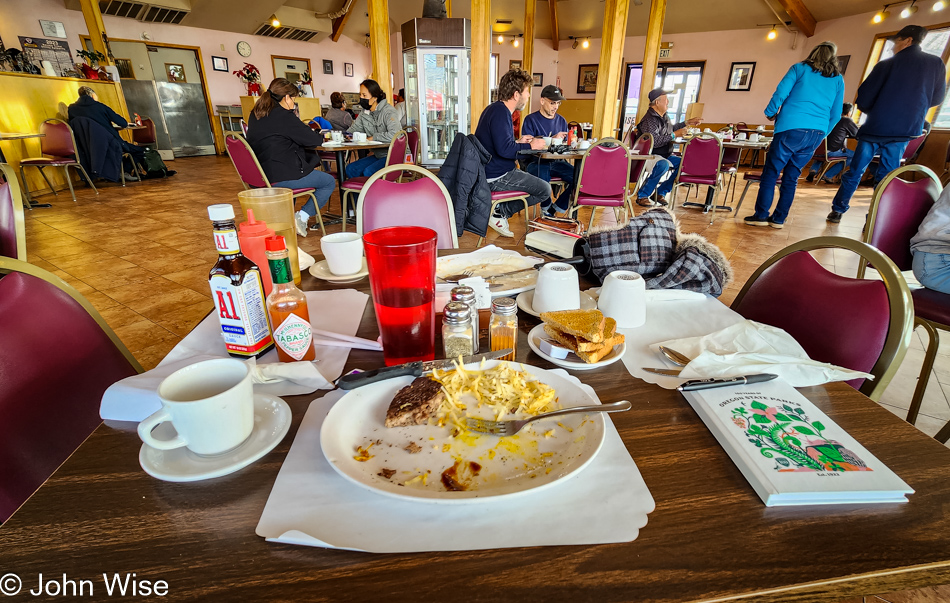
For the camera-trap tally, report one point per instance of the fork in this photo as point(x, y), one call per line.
point(507, 428)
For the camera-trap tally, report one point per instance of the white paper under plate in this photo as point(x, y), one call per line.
point(573, 362)
point(525, 301)
point(508, 466)
point(492, 260)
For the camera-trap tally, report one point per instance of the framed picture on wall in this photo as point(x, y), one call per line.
point(348, 69)
point(175, 73)
point(512, 65)
point(537, 79)
point(219, 63)
point(740, 77)
point(125, 69)
point(843, 63)
point(327, 67)
point(587, 78)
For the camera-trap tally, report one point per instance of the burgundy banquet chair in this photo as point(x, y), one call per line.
point(58, 146)
point(252, 175)
point(794, 292)
point(702, 158)
point(353, 186)
point(643, 145)
point(423, 201)
point(12, 227)
point(604, 178)
point(57, 357)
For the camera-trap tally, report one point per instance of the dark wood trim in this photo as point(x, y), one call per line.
point(801, 16)
point(273, 57)
point(552, 4)
point(340, 22)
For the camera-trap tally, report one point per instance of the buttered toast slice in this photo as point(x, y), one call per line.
point(592, 352)
point(585, 345)
point(586, 324)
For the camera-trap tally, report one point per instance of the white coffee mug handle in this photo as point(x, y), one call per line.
point(150, 423)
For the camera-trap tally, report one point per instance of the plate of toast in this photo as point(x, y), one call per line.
point(425, 456)
point(589, 339)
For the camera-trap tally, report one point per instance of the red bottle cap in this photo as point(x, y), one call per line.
point(275, 243)
point(254, 227)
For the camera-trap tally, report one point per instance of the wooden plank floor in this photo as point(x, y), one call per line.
point(141, 255)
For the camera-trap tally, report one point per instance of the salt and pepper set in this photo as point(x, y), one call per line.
point(460, 325)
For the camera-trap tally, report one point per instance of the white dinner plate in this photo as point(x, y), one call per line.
point(573, 361)
point(526, 299)
point(272, 419)
point(508, 466)
point(488, 264)
point(322, 270)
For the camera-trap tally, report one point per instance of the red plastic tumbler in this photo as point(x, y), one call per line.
point(401, 261)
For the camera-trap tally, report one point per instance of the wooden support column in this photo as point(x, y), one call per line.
point(379, 44)
point(651, 54)
point(801, 16)
point(93, 17)
point(527, 60)
point(448, 8)
point(340, 22)
point(609, 75)
point(552, 4)
point(481, 58)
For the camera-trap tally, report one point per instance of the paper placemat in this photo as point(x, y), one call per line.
point(311, 504)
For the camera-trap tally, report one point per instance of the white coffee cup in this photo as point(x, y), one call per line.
point(210, 404)
point(708, 130)
point(760, 129)
point(344, 252)
point(336, 136)
point(754, 137)
point(583, 145)
point(623, 298)
point(557, 289)
point(741, 136)
point(547, 140)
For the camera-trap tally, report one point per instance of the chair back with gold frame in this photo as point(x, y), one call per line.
point(12, 226)
point(57, 358)
point(863, 325)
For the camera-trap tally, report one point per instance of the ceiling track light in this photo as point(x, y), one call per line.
point(910, 10)
point(881, 15)
point(274, 21)
point(501, 39)
point(773, 33)
point(939, 5)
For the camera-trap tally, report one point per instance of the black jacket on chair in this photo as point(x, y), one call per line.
point(100, 153)
point(98, 112)
point(463, 175)
point(283, 145)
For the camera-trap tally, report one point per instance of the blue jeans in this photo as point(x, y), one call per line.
point(322, 183)
point(367, 166)
point(545, 170)
point(836, 168)
point(890, 152)
point(788, 154)
point(663, 166)
point(933, 270)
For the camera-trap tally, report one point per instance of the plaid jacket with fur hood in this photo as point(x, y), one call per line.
point(652, 245)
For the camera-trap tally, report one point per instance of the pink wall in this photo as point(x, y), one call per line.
point(22, 19)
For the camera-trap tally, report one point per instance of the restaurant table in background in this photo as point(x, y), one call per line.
point(575, 155)
point(341, 150)
point(710, 537)
point(22, 136)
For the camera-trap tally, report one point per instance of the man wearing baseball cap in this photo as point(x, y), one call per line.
point(542, 123)
point(896, 96)
point(657, 123)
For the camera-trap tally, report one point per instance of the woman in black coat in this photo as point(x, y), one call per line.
point(284, 146)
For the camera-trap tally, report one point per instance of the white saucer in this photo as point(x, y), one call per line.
point(272, 419)
point(526, 298)
point(573, 361)
point(322, 270)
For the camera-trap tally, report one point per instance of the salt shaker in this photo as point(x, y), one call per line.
point(457, 334)
point(466, 295)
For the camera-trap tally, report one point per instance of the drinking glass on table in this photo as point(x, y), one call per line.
point(401, 262)
point(275, 207)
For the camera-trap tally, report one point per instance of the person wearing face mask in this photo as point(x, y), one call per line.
point(284, 147)
point(495, 133)
point(380, 122)
point(546, 122)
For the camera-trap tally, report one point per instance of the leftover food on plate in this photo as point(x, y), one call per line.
point(585, 332)
point(415, 403)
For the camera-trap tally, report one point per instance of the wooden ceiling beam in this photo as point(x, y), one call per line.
point(340, 22)
point(552, 4)
point(801, 16)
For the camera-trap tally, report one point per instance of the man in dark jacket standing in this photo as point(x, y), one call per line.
point(88, 106)
point(896, 96)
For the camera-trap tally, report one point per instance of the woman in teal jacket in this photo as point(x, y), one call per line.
point(806, 105)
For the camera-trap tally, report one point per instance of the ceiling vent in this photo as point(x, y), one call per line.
point(503, 21)
point(121, 8)
point(285, 33)
point(160, 14)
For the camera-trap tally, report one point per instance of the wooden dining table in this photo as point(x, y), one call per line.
point(710, 538)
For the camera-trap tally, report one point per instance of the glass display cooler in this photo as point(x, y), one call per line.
point(437, 68)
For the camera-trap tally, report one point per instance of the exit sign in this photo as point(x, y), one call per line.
point(665, 53)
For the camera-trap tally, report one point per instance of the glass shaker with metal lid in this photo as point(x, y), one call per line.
point(457, 334)
point(466, 295)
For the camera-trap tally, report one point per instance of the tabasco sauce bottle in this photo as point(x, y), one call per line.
point(287, 306)
point(237, 290)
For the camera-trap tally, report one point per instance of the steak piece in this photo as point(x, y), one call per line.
point(415, 403)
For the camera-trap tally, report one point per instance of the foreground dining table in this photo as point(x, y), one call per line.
point(709, 539)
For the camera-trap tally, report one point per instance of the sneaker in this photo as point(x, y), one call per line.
point(500, 225)
point(644, 202)
point(753, 221)
point(661, 201)
point(300, 222)
point(778, 225)
point(810, 177)
point(834, 217)
point(131, 177)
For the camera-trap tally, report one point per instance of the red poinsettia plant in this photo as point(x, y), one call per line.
point(249, 74)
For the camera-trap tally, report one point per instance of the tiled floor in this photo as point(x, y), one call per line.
point(141, 255)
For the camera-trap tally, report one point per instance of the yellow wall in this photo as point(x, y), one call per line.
point(30, 99)
point(577, 109)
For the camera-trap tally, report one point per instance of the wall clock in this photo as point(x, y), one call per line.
point(244, 49)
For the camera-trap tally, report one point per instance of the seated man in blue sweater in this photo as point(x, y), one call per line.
point(896, 96)
point(546, 122)
point(496, 134)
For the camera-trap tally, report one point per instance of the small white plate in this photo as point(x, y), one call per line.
point(526, 299)
point(322, 270)
point(272, 419)
point(573, 361)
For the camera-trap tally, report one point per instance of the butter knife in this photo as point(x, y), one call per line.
point(667, 372)
point(414, 369)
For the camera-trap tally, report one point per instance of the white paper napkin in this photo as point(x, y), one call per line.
point(340, 311)
point(311, 504)
point(749, 347)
